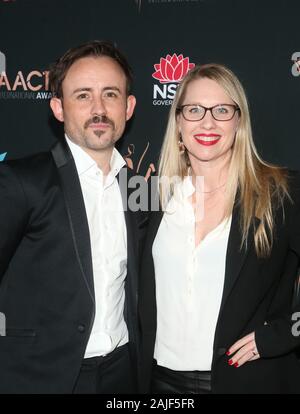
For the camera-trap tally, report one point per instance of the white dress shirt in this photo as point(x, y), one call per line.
point(189, 285)
point(105, 214)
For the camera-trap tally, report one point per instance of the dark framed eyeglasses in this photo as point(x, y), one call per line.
point(196, 112)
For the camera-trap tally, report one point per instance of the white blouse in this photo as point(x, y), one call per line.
point(189, 285)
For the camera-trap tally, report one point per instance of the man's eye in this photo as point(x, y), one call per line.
point(111, 94)
point(82, 96)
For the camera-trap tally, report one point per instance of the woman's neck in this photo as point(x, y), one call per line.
point(213, 173)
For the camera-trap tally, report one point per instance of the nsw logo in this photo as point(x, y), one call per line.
point(169, 72)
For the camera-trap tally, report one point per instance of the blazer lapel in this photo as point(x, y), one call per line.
point(235, 256)
point(76, 211)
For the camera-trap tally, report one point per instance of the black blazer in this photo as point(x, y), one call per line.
point(46, 275)
point(257, 296)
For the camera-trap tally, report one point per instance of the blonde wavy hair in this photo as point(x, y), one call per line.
point(259, 187)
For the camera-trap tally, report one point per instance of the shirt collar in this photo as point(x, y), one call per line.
point(187, 186)
point(116, 162)
point(84, 162)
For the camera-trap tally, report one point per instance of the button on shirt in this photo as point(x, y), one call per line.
point(105, 214)
point(189, 285)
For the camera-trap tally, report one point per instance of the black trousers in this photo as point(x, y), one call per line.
point(111, 374)
point(167, 381)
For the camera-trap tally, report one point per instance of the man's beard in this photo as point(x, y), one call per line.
point(99, 119)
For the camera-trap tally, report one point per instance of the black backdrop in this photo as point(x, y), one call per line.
point(258, 39)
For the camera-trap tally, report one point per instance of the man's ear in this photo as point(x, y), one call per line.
point(57, 109)
point(131, 102)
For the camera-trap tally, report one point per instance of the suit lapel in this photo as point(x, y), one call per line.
point(76, 211)
point(123, 177)
point(155, 220)
point(131, 281)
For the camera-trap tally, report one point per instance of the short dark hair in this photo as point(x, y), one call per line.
point(95, 48)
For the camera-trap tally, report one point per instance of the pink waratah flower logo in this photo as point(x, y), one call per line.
point(172, 68)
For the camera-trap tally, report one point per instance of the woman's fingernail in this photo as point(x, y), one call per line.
point(236, 365)
point(228, 353)
point(230, 362)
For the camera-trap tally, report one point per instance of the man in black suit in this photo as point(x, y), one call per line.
point(68, 247)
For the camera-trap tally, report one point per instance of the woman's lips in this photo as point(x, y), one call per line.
point(207, 139)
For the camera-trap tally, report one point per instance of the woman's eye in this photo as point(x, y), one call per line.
point(195, 109)
point(222, 110)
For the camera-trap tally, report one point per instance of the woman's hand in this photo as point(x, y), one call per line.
point(245, 349)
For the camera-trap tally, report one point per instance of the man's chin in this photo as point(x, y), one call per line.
point(101, 144)
point(98, 132)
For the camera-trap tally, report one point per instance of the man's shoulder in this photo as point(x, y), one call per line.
point(33, 170)
point(32, 163)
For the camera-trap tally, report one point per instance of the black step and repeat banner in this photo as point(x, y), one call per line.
point(258, 39)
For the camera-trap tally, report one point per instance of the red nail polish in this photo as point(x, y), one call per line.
point(236, 365)
point(230, 362)
point(227, 353)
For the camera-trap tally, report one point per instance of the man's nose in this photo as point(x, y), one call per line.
point(98, 106)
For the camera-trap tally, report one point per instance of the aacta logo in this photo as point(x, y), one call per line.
point(31, 85)
point(169, 71)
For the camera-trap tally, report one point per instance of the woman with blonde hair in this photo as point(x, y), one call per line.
point(221, 256)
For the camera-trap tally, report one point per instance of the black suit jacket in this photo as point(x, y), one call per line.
point(46, 275)
point(257, 296)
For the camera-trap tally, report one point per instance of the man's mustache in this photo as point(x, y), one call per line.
point(99, 119)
